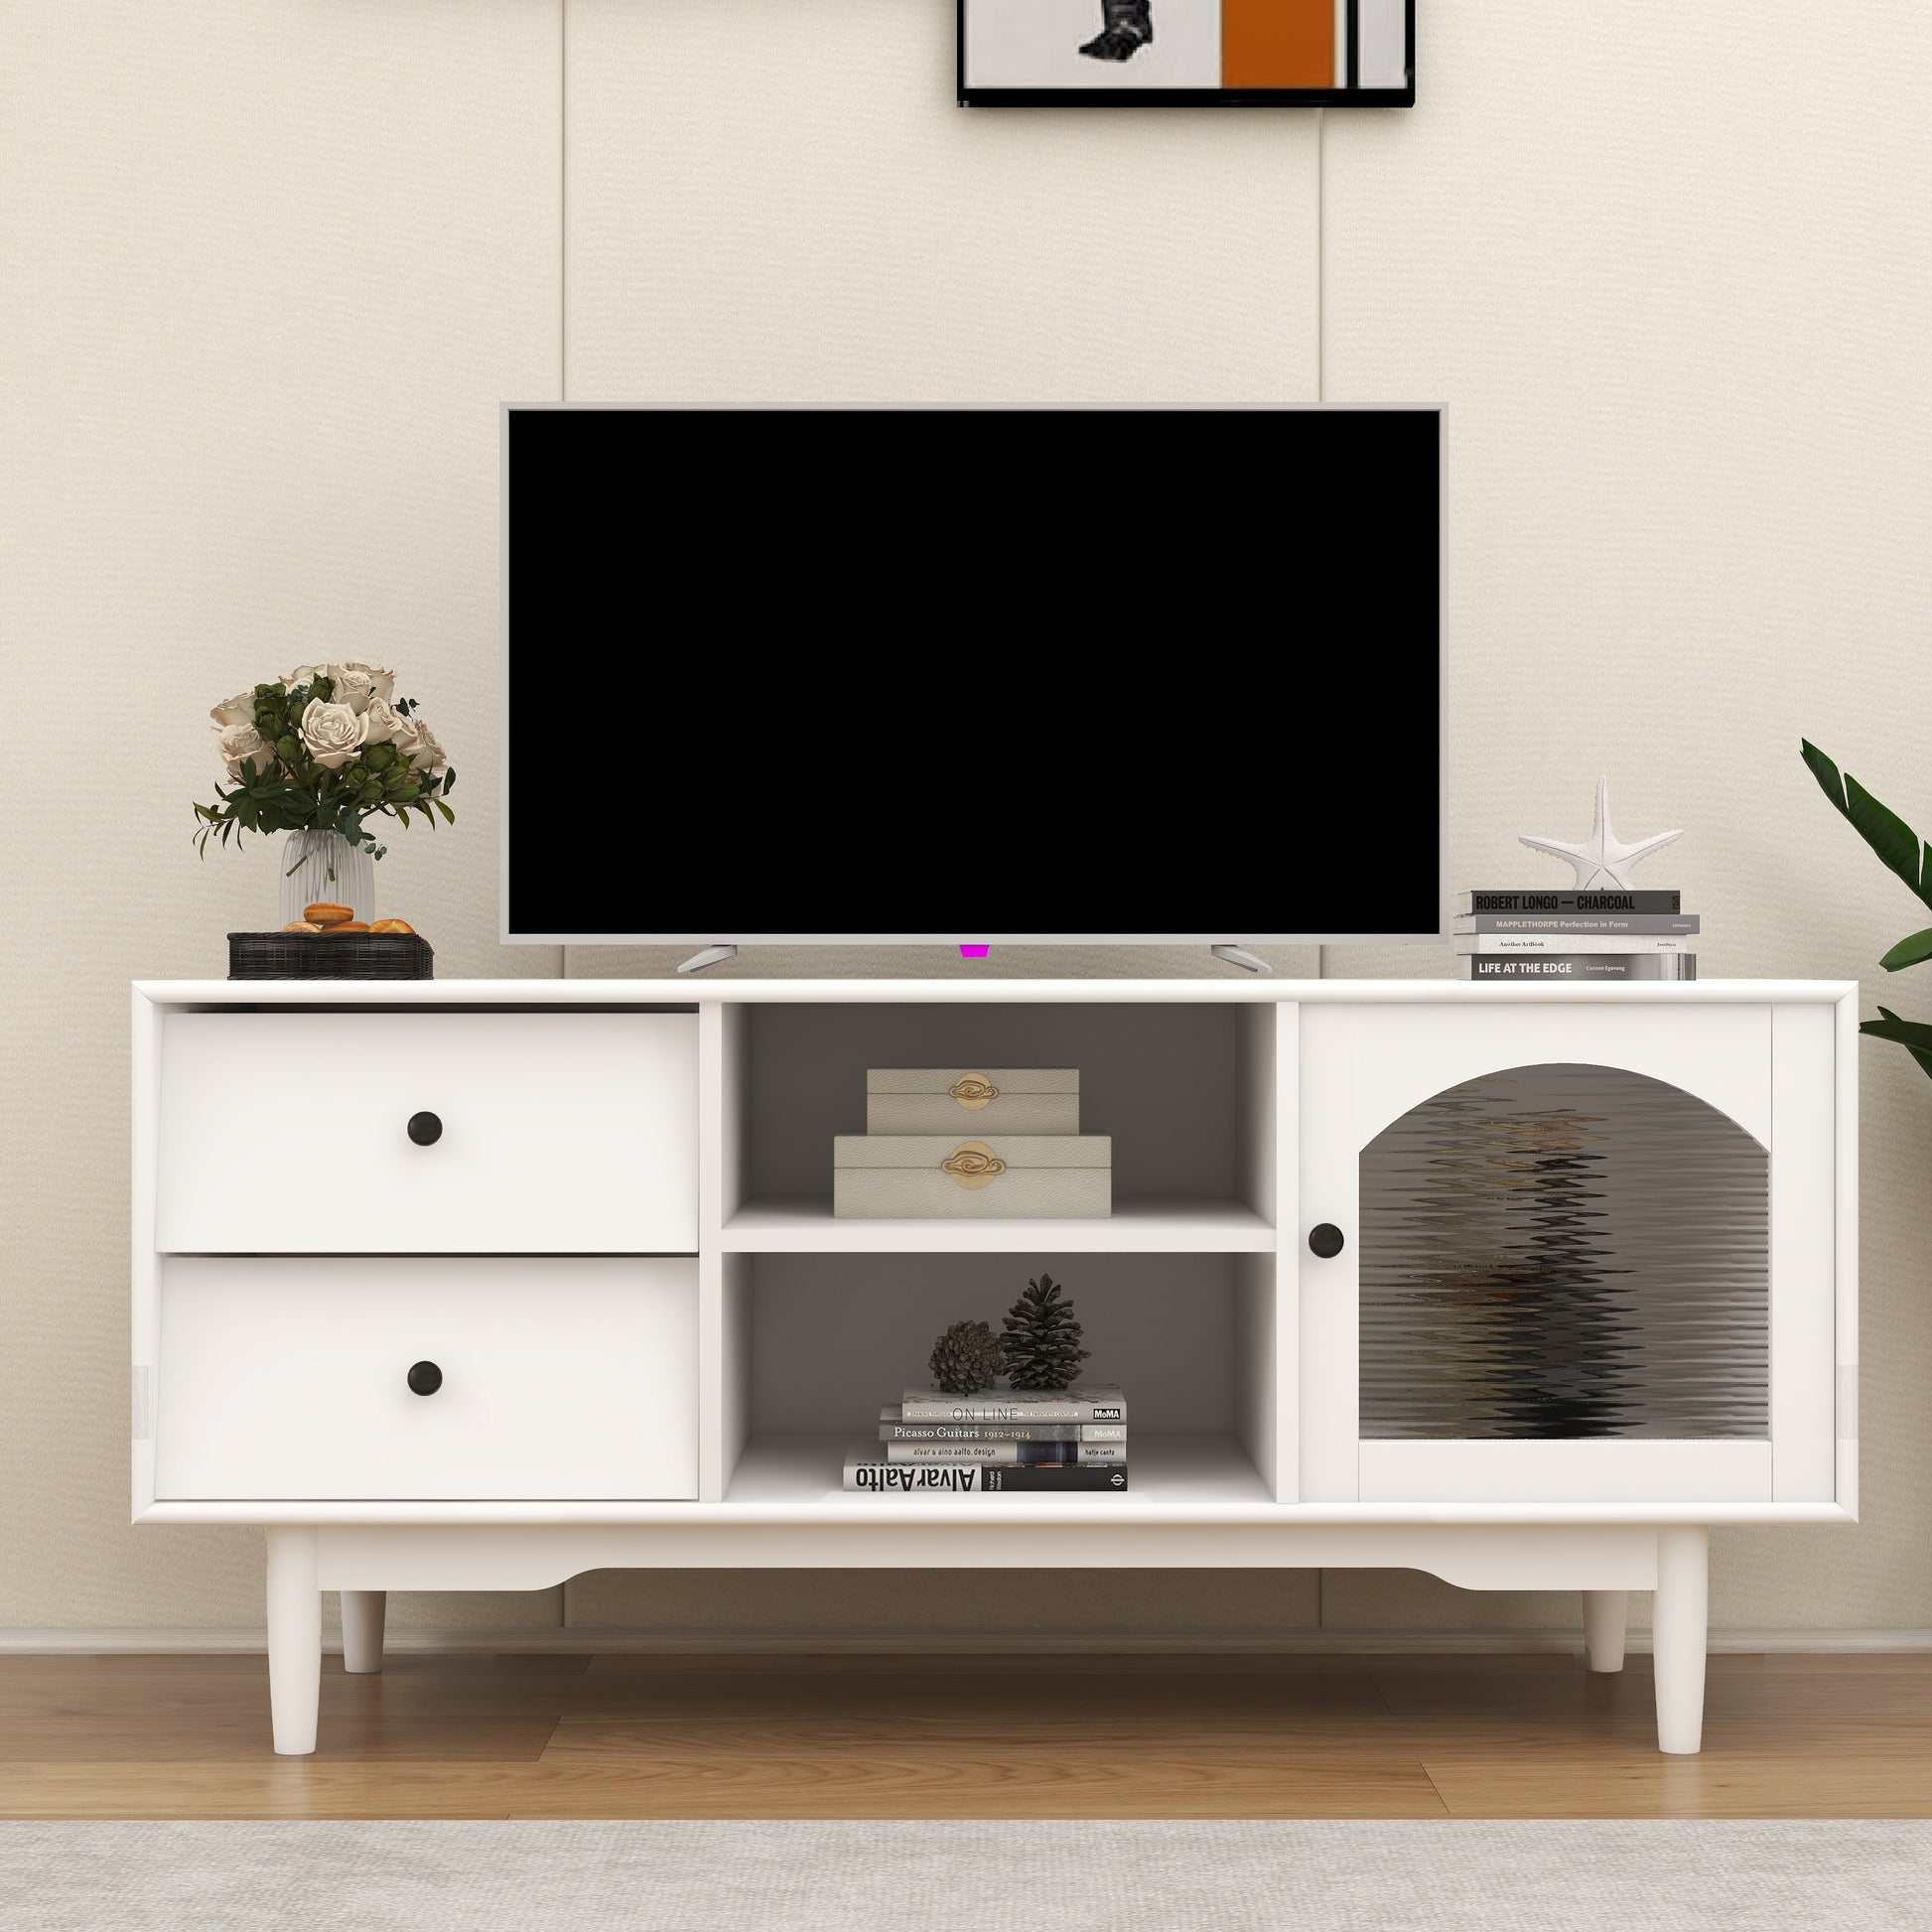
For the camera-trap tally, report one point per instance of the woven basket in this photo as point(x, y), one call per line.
point(325, 956)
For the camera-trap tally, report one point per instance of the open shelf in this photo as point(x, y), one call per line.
point(1135, 1227)
point(1187, 1096)
point(814, 1343)
point(1168, 1473)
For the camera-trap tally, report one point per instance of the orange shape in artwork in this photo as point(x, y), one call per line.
point(1278, 42)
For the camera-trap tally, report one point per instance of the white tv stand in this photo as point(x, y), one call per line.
point(552, 1282)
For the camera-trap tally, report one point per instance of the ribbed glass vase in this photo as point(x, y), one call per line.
point(326, 866)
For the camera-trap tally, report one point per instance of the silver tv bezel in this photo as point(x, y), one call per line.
point(1438, 937)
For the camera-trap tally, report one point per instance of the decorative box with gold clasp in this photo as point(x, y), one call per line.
point(973, 1176)
point(973, 1100)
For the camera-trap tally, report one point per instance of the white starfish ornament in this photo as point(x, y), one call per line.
point(1602, 859)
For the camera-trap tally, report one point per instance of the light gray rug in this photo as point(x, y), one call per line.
point(967, 1876)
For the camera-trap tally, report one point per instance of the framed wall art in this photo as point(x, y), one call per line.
point(1188, 53)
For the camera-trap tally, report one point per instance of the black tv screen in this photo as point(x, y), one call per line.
point(997, 676)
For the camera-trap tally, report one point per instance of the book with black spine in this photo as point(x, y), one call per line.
point(893, 1428)
point(1014, 1405)
point(868, 1473)
point(1009, 1455)
point(1621, 899)
point(1606, 966)
point(1682, 924)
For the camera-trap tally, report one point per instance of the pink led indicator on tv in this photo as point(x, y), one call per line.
point(974, 952)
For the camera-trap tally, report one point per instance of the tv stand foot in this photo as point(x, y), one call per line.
point(1605, 1615)
point(711, 956)
point(1679, 1620)
point(362, 1617)
point(1240, 956)
point(294, 1638)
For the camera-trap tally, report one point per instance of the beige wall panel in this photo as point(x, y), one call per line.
point(1667, 268)
point(765, 204)
point(1412, 1600)
point(265, 273)
point(938, 1602)
point(519, 1610)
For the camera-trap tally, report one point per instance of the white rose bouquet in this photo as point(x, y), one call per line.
point(325, 748)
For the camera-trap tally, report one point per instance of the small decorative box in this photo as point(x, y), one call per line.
point(948, 1178)
point(944, 1100)
point(329, 956)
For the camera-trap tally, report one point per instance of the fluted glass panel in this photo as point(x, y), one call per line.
point(1565, 1251)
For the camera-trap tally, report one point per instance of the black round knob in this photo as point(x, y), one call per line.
point(425, 1129)
point(1324, 1239)
point(425, 1378)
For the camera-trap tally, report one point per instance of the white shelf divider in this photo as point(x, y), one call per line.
point(1135, 1227)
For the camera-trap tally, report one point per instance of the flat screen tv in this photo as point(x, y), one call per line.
point(972, 676)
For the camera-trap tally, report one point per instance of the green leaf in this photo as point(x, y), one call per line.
point(1896, 844)
point(1909, 952)
point(449, 780)
point(1825, 771)
point(1899, 847)
point(449, 816)
point(1912, 1035)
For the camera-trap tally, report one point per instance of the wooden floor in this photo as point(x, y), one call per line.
point(630, 1737)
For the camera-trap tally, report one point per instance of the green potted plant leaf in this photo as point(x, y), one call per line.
point(1903, 852)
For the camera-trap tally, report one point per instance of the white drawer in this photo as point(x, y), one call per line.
point(555, 1132)
point(561, 1380)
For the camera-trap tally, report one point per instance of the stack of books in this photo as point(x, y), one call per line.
point(1595, 936)
point(994, 1442)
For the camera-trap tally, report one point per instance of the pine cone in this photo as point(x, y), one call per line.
point(966, 1359)
point(1042, 1339)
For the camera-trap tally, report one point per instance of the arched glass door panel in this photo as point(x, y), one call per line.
point(1563, 1252)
